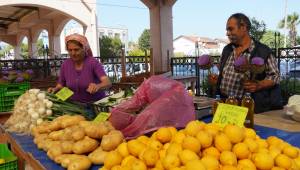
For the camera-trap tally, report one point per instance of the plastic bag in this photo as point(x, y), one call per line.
point(160, 102)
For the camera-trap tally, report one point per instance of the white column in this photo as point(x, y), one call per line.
point(91, 34)
point(56, 45)
point(34, 51)
point(161, 29)
point(17, 51)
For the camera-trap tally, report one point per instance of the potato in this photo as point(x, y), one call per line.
point(80, 163)
point(66, 160)
point(40, 137)
point(43, 128)
point(56, 135)
point(85, 145)
point(97, 156)
point(84, 123)
point(109, 125)
point(112, 140)
point(96, 130)
point(66, 146)
point(60, 158)
point(55, 125)
point(54, 152)
point(78, 134)
point(70, 121)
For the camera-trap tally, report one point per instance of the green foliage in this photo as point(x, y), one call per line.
point(40, 47)
point(110, 47)
point(289, 86)
point(24, 50)
point(136, 52)
point(6, 49)
point(269, 39)
point(258, 29)
point(292, 21)
point(144, 40)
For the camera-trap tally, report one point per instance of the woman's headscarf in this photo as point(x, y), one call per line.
point(82, 40)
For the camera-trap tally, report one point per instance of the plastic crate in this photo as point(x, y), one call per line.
point(9, 93)
point(11, 161)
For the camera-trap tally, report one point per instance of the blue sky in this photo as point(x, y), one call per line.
point(193, 17)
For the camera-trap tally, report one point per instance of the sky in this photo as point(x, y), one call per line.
point(206, 18)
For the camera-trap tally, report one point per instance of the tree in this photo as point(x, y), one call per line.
point(269, 39)
point(258, 29)
point(292, 21)
point(144, 40)
point(40, 47)
point(110, 46)
point(24, 50)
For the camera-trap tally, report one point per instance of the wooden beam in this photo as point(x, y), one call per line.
point(9, 19)
point(3, 26)
point(27, 7)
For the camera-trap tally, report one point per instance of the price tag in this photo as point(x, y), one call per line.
point(230, 114)
point(101, 117)
point(64, 93)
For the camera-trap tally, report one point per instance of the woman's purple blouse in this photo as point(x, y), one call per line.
point(79, 80)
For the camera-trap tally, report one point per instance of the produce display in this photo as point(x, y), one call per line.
point(34, 106)
point(116, 98)
point(203, 146)
point(293, 107)
point(76, 143)
point(15, 76)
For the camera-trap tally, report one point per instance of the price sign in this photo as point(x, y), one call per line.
point(101, 117)
point(64, 93)
point(230, 114)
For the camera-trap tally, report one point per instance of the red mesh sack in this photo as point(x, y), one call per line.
point(159, 102)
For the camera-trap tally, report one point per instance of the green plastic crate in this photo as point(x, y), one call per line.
point(9, 93)
point(11, 161)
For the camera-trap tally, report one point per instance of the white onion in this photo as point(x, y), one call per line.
point(41, 96)
point(48, 112)
point(39, 121)
point(41, 110)
point(49, 104)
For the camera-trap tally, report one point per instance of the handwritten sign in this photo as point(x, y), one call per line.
point(64, 93)
point(101, 117)
point(230, 114)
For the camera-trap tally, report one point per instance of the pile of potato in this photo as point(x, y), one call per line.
point(76, 143)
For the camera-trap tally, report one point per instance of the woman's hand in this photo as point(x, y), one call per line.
point(93, 88)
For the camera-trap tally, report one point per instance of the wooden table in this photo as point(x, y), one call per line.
point(277, 119)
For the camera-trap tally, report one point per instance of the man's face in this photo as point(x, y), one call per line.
point(234, 32)
point(76, 52)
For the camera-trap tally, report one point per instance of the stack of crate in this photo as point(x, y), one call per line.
point(9, 93)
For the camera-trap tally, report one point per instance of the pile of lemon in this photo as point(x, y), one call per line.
point(203, 146)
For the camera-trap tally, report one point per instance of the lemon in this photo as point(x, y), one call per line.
point(117, 167)
point(229, 167)
point(150, 156)
point(135, 147)
point(291, 151)
point(250, 133)
point(164, 135)
point(123, 150)
point(178, 137)
point(192, 144)
point(228, 158)
point(143, 139)
point(112, 158)
point(274, 152)
point(195, 165)
point(210, 162)
point(263, 161)
point(212, 151)
point(174, 148)
point(173, 130)
point(193, 127)
point(138, 165)
point(153, 136)
point(222, 142)
point(155, 144)
point(273, 140)
point(212, 128)
point(159, 165)
point(283, 161)
point(162, 153)
point(277, 168)
point(262, 143)
point(297, 161)
point(252, 145)
point(204, 138)
point(187, 155)
point(171, 161)
point(246, 164)
point(128, 160)
point(241, 150)
point(234, 133)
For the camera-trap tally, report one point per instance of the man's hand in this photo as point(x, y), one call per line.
point(93, 88)
point(251, 86)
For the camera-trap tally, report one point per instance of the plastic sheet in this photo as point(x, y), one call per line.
point(159, 102)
